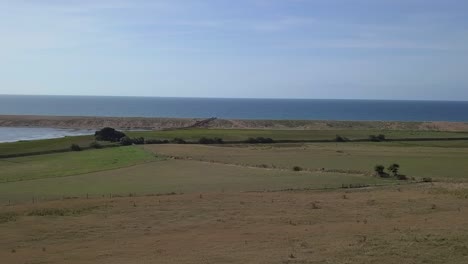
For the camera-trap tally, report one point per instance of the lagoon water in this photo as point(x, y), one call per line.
point(11, 134)
point(308, 109)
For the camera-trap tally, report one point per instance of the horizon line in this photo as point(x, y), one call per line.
point(235, 98)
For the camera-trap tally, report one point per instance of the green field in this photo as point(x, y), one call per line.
point(243, 134)
point(43, 145)
point(70, 163)
point(150, 169)
point(34, 146)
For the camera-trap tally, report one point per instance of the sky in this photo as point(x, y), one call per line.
point(324, 49)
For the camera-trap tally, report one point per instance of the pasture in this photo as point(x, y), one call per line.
point(193, 135)
point(405, 224)
point(236, 203)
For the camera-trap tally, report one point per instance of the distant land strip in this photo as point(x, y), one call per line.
point(161, 123)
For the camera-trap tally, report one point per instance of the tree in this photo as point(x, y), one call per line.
point(109, 134)
point(379, 169)
point(394, 168)
point(126, 141)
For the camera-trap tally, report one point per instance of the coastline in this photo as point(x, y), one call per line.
point(161, 123)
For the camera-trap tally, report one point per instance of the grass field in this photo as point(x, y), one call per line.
point(34, 146)
point(164, 176)
point(405, 224)
point(243, 134)
point(442, 163)
point(236, 203)
point(70, 163)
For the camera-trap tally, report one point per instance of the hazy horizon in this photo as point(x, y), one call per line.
point(324, 49)
point(241, 98)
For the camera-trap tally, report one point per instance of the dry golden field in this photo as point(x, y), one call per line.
point(423, 223)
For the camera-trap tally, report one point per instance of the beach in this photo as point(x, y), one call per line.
point(160, 123)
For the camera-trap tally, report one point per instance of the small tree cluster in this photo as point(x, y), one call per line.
point(393, 170)
point(109, 134)
point(259, 140)
point(378, 138)
point(126, 141)
point(205, 140)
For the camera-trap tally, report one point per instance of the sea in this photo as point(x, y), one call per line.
point(299, 109)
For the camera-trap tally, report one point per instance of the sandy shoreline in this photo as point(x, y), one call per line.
point(84, 122)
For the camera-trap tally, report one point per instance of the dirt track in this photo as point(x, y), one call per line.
point(167, 123)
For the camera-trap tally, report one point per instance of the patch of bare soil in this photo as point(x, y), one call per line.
point(411, 224)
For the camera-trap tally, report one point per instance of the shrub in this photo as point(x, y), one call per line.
point(401, 177)
point(297, 168)
point(178, 141)
point(259, 140)
point(126, 141)
point(339, 138)
point(95, 145)
point(394, 168)
point(379, 169)
point(109, 134)
point(378, 138)
point(75, 147)
point(138, 141)
point(156, 141)
point(215, 140)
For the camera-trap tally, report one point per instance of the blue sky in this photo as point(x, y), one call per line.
point(349, 49)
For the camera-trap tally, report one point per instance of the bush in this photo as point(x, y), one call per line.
point(95, 145)
point(215, 140)
point(394, 168)
point(297, 168)
point(378, 138)
point(126, 141)
point(259, 140)
point(109, 134)
point(178, 141)
point(156, 141)
point(339, 138)
point(75, 147)
point(379, 169)
point(401, 177)
point(138, 141)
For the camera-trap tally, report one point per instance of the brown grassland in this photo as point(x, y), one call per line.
point(425, 223)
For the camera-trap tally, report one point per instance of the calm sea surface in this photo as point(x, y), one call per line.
point(11, 134)
point(222, 108)
point(235, 108)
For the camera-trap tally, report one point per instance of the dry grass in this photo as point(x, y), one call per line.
point(384, 225)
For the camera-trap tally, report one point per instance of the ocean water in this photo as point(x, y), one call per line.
point(308, 109)
point(11, 134)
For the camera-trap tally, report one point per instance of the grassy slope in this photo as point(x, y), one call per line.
point(45, 144)
point(176, 176)
point(70, 163)
point(438, 162)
